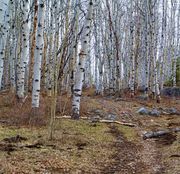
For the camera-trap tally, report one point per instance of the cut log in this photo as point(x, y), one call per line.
point(157, 134)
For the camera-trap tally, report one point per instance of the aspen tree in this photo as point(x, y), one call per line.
point(147, 60)
point(4, 26)
point(133, 43)
point(25, 49)
point(33, 45)
point(132, 85)
point(73, 59)
point(178, 45)
point(79, 77)
point(38, 55)
point(162, 45)
point(173, 52)
point(13, 40)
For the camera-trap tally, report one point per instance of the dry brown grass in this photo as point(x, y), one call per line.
point(20, 113)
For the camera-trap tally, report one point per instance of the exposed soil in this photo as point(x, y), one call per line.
point(126, 158)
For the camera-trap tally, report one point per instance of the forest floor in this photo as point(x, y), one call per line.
point(90, 147)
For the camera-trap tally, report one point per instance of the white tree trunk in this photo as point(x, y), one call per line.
point(132, 87)
point(38, 55)
point(4, 24)
point(79, 77)
point(25, 49)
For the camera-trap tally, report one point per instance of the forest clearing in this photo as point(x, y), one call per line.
point(87, 146)
point(90, 86)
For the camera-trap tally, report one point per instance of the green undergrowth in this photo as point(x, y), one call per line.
point(77, 146)
point(129, 133)
point(92, 132)
point(29, 133)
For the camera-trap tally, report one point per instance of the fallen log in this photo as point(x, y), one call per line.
point(118, 122)
point(69, 117)
point(100, 121)
point(160, 133)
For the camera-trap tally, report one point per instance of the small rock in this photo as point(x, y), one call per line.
point(142, 88)
point(154, 112)
point(111, 117)
point(110, 96)
point(143, 111)
point(119, 99)
point(171, 111)
point(142, 97)
point(94, 119)
point(97, 112)
point(171, 92)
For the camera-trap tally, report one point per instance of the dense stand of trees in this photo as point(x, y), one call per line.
point(55, 45)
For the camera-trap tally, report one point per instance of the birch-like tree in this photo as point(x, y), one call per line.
point(38, 55)
point(25, 49)
point(64, 46)
point(4, 29)
point(79, 76)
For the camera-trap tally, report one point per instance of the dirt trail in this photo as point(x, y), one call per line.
point(141, 157)
point(130, 157)
point(152, 158)
point(126, 158)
